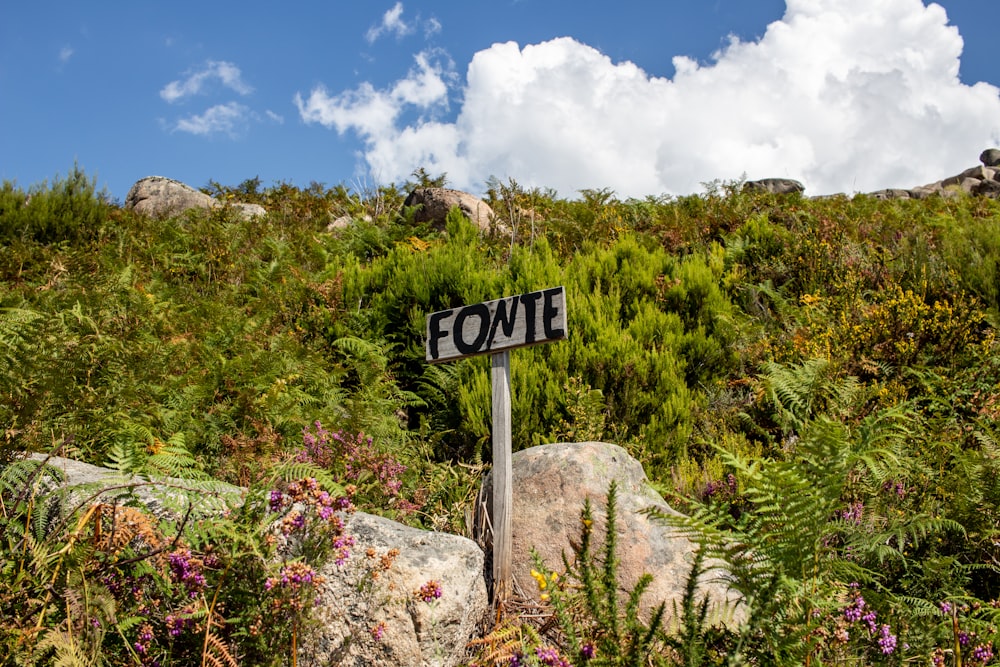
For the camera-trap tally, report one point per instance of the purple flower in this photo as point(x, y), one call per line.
point(854, 612)
point(854, 513)
point(588, 651)
point(886, 640)
point(945, 607)
point(430, 591)
point(276, 500)
point(550, 657)
point(187, 571)
point(982, 654)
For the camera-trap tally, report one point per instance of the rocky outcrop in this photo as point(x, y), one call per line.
point(162, 197)
point(551, 483)
point(353, 603)
point(435, 203)
point(775, 186)
point(982, 180)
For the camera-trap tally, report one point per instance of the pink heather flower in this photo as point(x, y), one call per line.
point(549, 656)
point(430, 591)
point(378, 631)
point(945, 607)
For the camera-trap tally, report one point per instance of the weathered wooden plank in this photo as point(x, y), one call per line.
point(503, 492)
point(491, 326)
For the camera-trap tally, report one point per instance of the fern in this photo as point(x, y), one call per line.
point(217, 653)
point(501, 645)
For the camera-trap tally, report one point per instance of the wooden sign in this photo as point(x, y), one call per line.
point(496, 327)
point(492, 326)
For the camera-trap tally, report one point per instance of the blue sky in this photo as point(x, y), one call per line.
point(645, 98)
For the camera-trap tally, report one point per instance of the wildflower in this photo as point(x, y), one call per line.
point(186, 570)
point(963, 638)
point(945, 607)
point(887, 640)
point(869, 619)
point(378, 631)
point(141, 645)
point(588, 651)
point(550, 657)
point(982, 654)
point(293, 576)
point(430, 591)
point(276, 500)
point(854, 513)
point(294, 521)
point(539, 579)
point(854, 612)
point(177, 623)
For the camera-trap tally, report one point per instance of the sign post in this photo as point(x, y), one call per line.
point(495, 328)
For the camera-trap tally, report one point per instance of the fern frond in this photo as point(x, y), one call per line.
point(501, 645)
point(217, 652)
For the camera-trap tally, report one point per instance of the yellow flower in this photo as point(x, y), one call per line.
point(540, 579)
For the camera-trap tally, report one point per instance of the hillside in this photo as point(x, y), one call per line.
point(744, 346)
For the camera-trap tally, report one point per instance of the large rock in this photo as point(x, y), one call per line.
point(990, 157)
point(776, 186)
point(550, 485)
point(162, 197)
point(435, 203)
point(416, 632)
point(161, 500)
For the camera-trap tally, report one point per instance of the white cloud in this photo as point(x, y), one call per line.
point(224, 72)
point(373, 113)
point(231, 119)
point(844, 95)
point(392, 22)
point(276, 117)
point(65, 53)
point(431, 27)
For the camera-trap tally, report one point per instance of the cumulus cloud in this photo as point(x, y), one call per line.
point(374, 113)
point(231, 119)
point(197, 81)
point(844, 95)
